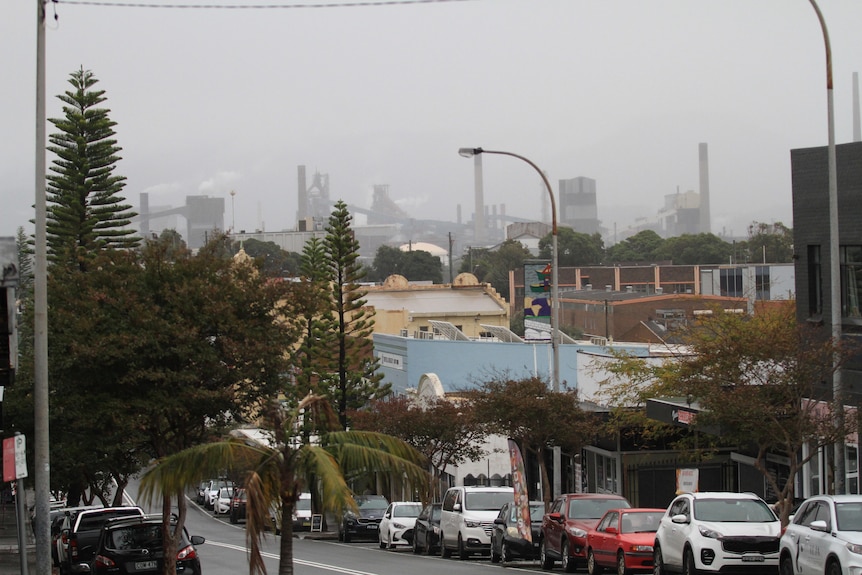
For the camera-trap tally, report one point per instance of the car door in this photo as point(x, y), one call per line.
point(604, 543)
point(383, 534)
point(675, 533)
point(553, 530)
point(814, 538)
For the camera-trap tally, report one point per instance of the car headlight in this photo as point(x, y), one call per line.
point(709, 533)
point(576, 532)
point(512, 532)
point(399, 526)
point(436, 530)
point(641, 548)
point(470, 523)
point(854, 548)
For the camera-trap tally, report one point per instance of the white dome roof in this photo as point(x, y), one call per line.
point(425, 247)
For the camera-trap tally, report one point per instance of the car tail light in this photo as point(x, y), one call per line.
point(102, 561)
point(73, 548)
point(187, 552)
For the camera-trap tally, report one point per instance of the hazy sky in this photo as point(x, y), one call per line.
point(621, 91)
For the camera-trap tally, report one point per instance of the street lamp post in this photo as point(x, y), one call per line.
point(555, 304)
point(555, 290)
point(834, 263)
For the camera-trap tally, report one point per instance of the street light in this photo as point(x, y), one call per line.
point(555, 304)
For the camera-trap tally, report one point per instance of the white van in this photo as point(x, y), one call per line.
point(302, 513)
point(467, 518)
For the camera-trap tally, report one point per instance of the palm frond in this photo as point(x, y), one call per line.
point(321, 465)
point(367, 452)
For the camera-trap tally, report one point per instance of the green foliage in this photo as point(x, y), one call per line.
point(387, 261)
point(691, 249)
point(415, 265)
point(493, 266)
point(772, 243)
point(272, 260)
point(527, 411)
point(357, 379)
point(282, 469)
point(641, 247)
point(85, 210)
point(573, 248)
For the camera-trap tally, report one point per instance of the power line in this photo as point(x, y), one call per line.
point(355, 4)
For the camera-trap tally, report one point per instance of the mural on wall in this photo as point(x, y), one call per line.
point(537, 301)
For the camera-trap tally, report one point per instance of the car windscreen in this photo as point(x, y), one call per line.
point(372, 504)
point(407, 510)
point(849, 516)
point(303, 504)
point(592, 508)
point(487, 500)
point(732, 510)
point(95, 521)
point(641, 522)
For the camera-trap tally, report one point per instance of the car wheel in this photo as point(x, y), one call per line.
point(544, 559)
point(786, 566)
point(380, 541)
point(621, 564)
point(495, 555)
point(444, 551)
point(688, 567)
point(462, 553)
point(566, 562)
point(505, 552)
point(834, 568)
point(233, 519)
point(657, 561)
point(592, 567)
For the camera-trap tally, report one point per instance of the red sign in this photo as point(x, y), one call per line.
point(9, 459)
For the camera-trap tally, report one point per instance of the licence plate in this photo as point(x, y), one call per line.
point(753, 559)
point(372, 527)
point(145, 565)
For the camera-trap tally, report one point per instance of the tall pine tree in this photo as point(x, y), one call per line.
point(358, 380)
point(85, 211)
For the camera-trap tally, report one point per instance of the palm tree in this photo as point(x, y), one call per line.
point(309, 451)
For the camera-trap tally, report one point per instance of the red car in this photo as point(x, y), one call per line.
point(565, 527)
point(623, 541)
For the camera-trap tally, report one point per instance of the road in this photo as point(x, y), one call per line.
point(224, 553)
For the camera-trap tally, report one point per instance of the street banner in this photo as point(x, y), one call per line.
point(522, 495)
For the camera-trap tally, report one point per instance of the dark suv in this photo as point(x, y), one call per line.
point(134, 545)
point(366, 523)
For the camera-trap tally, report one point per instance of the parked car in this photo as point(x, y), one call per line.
point(302, 513)
point(203, 488)
point(717, 532)
point(396, 525)
point(565, 527)
point(238, 505)
point(623, 541)
point(426, 531)
point(365, 522)
point(468, 518)
point(825, 536)
point(213, 491)
point(134, 545)
point(506, 540)
point(222, 502)
point(80, 533)
point(59, 537)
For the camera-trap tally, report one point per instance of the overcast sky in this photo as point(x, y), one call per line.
point(621, 91)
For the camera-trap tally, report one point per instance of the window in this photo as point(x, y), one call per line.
point(761, 282)
point(851, 281)
point(815, 286)
point(731, 282)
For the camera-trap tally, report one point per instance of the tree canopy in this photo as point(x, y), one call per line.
point(415, 265)
point(573, 248)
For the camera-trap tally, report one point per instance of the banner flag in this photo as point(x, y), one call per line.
point(522, 495)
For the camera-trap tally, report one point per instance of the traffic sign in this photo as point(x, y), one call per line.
point(14, 458)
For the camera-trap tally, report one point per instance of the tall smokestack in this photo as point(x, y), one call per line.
point(857, 130)
point(301, 194)
point(479, 214)
point(705, 223)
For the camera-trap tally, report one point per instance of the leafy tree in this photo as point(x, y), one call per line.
point(175, 350)
point(446, 432)
point(358, 380)
point(493, 266)
point(419, 265)
point(757, 379)
point(25, 264)
point(641, 247)
point(573, 248)
point(387, 261)
point(534, 416)
point(273, 261)
point(86, 212)
point(772, 243)
point(694, 249)
point(288, 465)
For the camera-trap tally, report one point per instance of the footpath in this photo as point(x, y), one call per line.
point(10, 560)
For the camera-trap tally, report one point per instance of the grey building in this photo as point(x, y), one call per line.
point(578, 209)
point(809, 169)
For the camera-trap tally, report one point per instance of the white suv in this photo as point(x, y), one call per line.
point(467, 518)
point(712, 532)
point(825, 536)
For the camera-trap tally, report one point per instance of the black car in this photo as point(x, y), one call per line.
point(134, 546)
point(237, 505)
point(506, 541)
point(366, 522)
point(426, 532)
